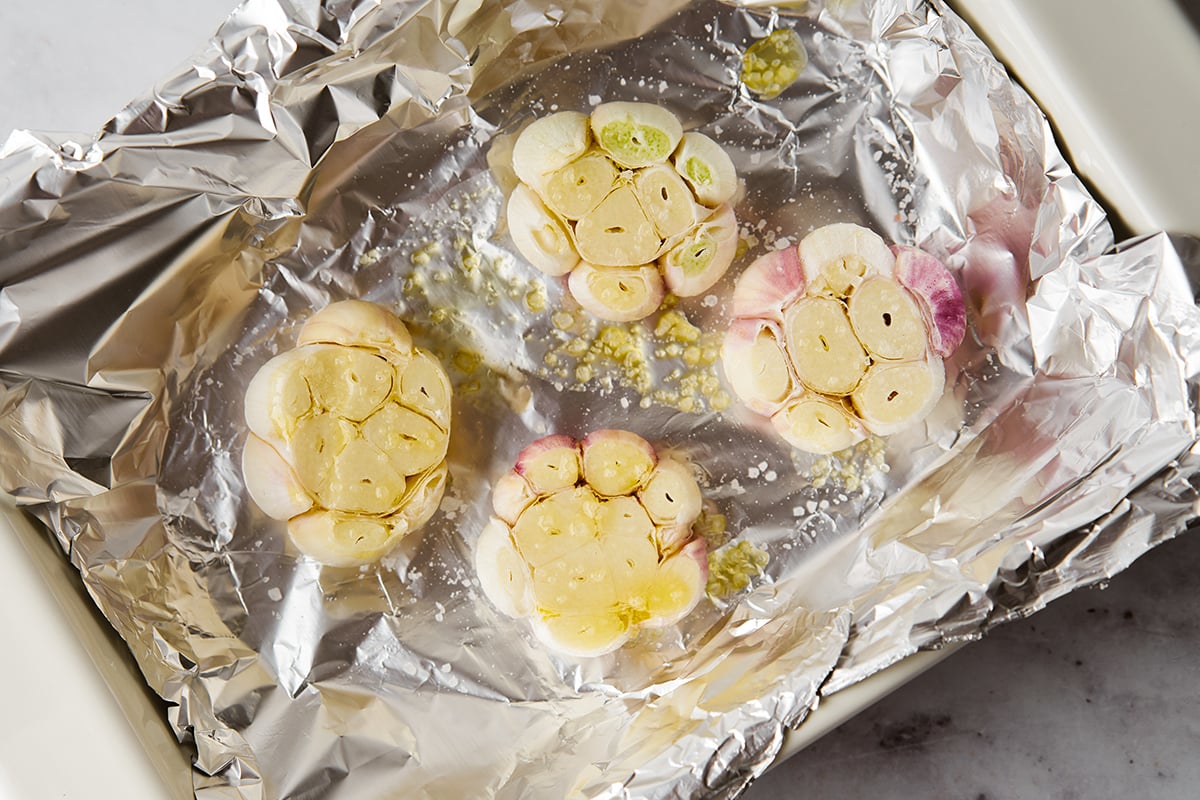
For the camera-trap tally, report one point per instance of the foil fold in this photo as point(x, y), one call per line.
point(315, 148)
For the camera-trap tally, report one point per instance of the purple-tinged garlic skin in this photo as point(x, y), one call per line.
point(549, 464)
point(772, 282)
point(938, 294)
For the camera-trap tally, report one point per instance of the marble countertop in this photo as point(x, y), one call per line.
point(1093, 697)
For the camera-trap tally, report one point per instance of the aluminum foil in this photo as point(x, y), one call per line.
point(323, 150)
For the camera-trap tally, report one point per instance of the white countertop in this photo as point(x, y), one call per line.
point(1093, 698)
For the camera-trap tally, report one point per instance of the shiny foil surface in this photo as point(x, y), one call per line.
point(325, 150)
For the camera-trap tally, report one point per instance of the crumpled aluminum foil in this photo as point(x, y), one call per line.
point(321, 150)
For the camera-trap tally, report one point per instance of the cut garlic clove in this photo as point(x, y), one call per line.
point(538, 235)
point(896, 395)
point(938, 293)
point(636, 134)
point(632, 566)
point(363, 480)
point(667, 200)
point(819, 425)
point(511, 496)
point(423, 499)
point(678, 586)
point(756, 365)
point(556, 526)
point(356, 323)
point(617, 294)
point(707, 168)
point(624, 517)
point(276, 397)
point(577, 188)
point(616, 462)
point(412, 442)
point(887, 320)
point(576, 582)
point(824, 351)
point(673, 536)
point(425, 387)
point(770, 284)
point(671, 495)
point(698, 261)
point(548, 144)
point(617, 233)
point(549, 464)
point(272, 484)
point(352, 380)
point(315, 446)
point(503, 574)
point(837, 257)
point(583, 635)
point(341, 540)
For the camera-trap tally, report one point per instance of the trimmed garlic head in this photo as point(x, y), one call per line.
point(348, 435)
point(842, 336)
point(593, 539)
point(619, 194)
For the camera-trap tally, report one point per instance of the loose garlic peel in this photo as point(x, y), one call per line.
point(838, 337)
point(348, 435)
point(628, 190)
point(593, 539)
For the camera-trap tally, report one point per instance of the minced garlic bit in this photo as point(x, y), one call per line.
point(425, 253)
point(851, 468)
point(671, 364)
point(713, 526)
point(467, 361)
point(370, 257)
point(674, 326)
point(772, 64)
point(535, 298)
point(731, 568)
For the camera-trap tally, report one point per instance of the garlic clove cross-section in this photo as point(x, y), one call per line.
point(348, 435)
point(618, 193)
point(584, 557)
point(841, 337)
